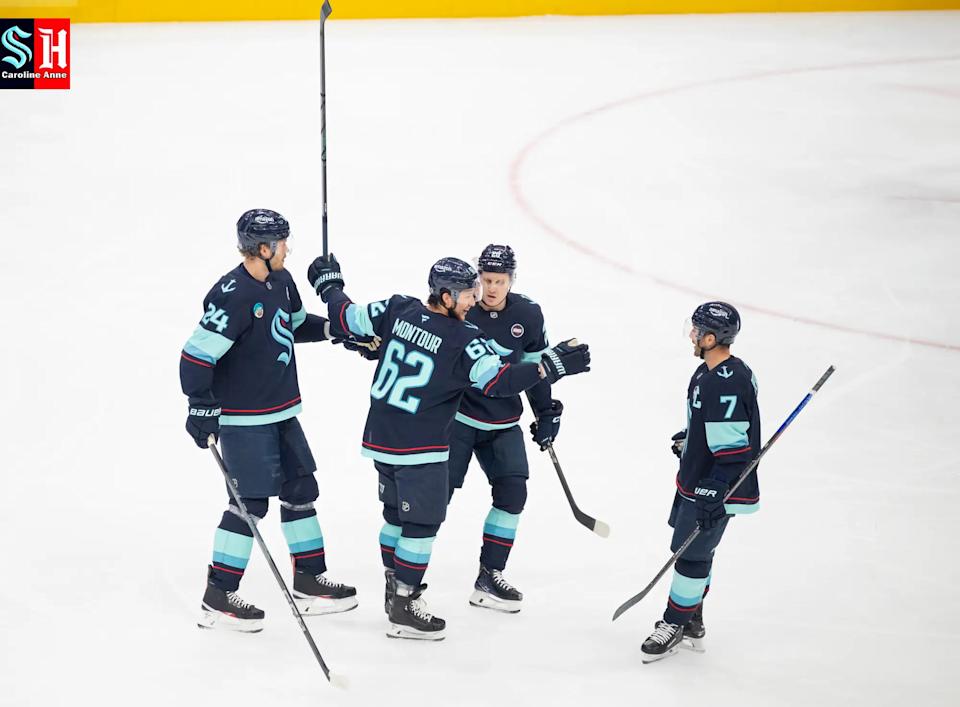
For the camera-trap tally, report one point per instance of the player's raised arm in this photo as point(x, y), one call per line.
point(359, 326)
point(494, 378)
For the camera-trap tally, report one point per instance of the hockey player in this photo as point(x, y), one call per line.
point(722, 437)
point(488, 427)
point(429, 356)
point(239, 371)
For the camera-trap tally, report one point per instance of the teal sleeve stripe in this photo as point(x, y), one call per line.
point(503, 519)
point(251, 420)
point(299, 317)
point(389, 534)
point(302, 530)
point(358, 320)
point(727, 435)
point(404, 459)
point(741, 508)
point(485, 370)
point(206, 345)
point(531, 356)
point(223, 559)
point(687, 591)
point(478, 425)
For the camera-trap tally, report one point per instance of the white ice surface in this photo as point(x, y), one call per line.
point(805, 165)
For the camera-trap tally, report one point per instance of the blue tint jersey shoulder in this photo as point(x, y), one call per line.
point(241, 355)
point(426, 362)
point(723, 432)
point(518, 335)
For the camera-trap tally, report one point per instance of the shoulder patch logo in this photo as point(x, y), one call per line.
point(724, 373)
point(517, 330)
point(229, 287)
point(258, 310)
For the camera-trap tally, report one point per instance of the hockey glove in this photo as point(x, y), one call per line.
point(324, 274)
point(678, 441)
point(565, 359)
point(203, 421)
point(546, 427)
point(710, 493)
point(370, 350)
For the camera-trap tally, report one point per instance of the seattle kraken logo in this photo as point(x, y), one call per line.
point(282, 335)
point(22, 51)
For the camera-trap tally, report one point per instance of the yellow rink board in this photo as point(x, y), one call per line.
point(213, 10)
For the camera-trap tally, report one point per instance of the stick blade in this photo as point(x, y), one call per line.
point(601, 529)
point(339, 681)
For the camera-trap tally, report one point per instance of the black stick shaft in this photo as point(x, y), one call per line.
point(743, 475)
point(266, 553)
point(325, 11)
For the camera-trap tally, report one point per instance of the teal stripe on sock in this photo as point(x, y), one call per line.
point(687, 591)
point(389, 534)
point(503, 519)
point(306, 545)
point(235, 546)
point(305, 531)
point(415, 550)
point(499, 531)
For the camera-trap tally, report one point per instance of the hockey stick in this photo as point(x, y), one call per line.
point(597, 526)
point(744, 474)
point(334, 679)
point(325, 11)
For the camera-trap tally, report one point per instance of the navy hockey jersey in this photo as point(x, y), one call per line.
point(518, 335)
point(426, 362)
point(723, 432)
point(241, 355)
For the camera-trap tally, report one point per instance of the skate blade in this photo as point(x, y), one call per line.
point(318, 606)
point(653, 658)
point(219, 621)
point(697, 645)
point(398, 631)
point(485, 600)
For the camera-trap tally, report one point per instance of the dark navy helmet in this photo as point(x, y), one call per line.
point(497, 258)
point(451, 275)
point(258, 226)
point(717, 318)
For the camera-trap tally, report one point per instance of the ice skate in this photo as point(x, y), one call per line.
point(694, 632)
point(492, 591)
point(409, 617)
point(315, 594)
point(228, 612)
point(663, 642)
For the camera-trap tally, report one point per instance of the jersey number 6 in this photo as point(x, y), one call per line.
point(390, 383)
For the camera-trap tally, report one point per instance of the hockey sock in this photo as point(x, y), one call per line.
point(304, 538)
point(232, 544)
point(499, 532)
point(686, 593)
point(389, 535)
point(411, 559)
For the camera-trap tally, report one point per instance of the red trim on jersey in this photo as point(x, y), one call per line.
point(276, 407)
point(728, 452)
point(406, 449)
point(494, 381)
point(193, 360)
point(492, 422)
point(343, 323)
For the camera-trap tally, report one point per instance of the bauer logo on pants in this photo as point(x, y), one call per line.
point(35, 53)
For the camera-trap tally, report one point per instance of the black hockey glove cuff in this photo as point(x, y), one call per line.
point(565, 359)
point(679, 440)
point(710, 494)
point(546, 427)
point(203, 421)
point(324, 274)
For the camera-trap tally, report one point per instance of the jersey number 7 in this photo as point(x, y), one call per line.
point(392, 385)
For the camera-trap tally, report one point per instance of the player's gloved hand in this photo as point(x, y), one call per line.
point(203, 420)
point(324, 274)
point(565, 359)
point(710, 493)
point(678, 441)
point(368, 346)
point(546, 427)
